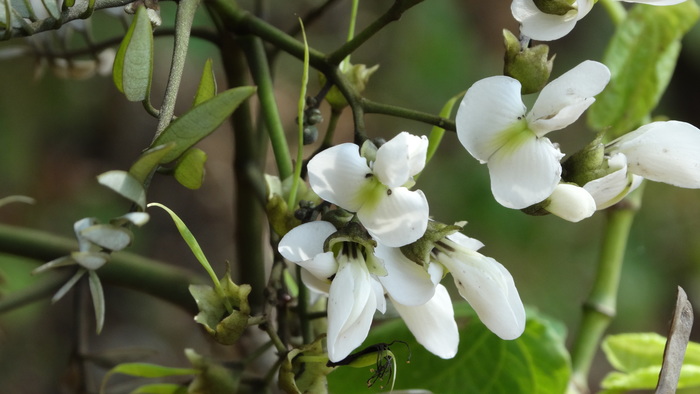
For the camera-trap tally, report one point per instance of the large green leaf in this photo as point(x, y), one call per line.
point(641, 56)
point(146, 370)
point(200, 121)
point(133, 64)
point(537, 362)
point(646, 378)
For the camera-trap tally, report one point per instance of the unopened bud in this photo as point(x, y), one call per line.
point(587, 164)
point(530, 66)
point(357, 74)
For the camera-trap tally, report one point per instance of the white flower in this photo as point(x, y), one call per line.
point(610, 189)
point(546, 27)
point(494, 127)
point(666, 152)
point(484, 283)
point(353, 292)
point(377, 191)
point(432, 323)
point(571, 202)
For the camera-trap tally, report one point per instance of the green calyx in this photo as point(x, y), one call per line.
point(530, 66)
point(555, 7)
point(354, 243)
point(419, 251)
point(587, 164)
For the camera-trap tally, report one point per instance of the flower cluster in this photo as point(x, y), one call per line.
point(361, 262)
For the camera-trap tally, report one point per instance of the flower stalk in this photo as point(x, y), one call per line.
point(600, 307)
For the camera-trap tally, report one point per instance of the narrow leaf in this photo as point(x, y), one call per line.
point(148, 161)
point(436, 132)
point(145, 370)
point(207, 85)
point(133, 64)
point(125, 184)
point(189, 170)
point(641, 56)
point(98, 299)
point(201, 121)
point(161, 388)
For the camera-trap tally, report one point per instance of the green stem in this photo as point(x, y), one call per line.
point(330, 130)
point(373, 107)
point(186, 10)
point(259, 68)
point(615, 10)
point(393, 14)
point(303, 300)
point(301, 104)
point(600, 307)
point(124, 269)
point(249, 182)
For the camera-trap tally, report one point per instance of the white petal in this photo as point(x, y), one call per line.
point(525, 175)
point(571, 202)
point(489, 109)
point(436, 272)
point(400, 158)
point(433, 323)
point(544, 27)
point(490, 290)
point(564, 99)
point(406, 282)
point(666, 152)
point(339, 175)
point(399, 218)
point(305, 241)
point(612, 188)
point(314, 283)
point(351, 306)
point(467, 242)
point(378, 292)
point(323, 266)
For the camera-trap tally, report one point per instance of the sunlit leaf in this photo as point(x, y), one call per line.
point(98, 299)
point(629, 352)
point(148, 161)
point(646, 378)
point(207, 85)
point(133, 64)
point(125, 184)
point(200, 121)
point(189, 170)
point(108, 236)
point(641, 56)
point(537, 362)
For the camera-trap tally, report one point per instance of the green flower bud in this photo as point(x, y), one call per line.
point(555, 7)
point(587, 164)
point(357, 74)
point(530, 66)
point(419, 251)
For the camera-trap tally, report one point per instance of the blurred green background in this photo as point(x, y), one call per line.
point(57, 135)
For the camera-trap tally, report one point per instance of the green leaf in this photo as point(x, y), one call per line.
point(161, 388)
point(125, 185)
point(207, 85)
point(646, 378)
point(108, 236)
point(629, 352)
point(133, 64)
point(189, 170)
point(146, 370)
point(436, 132)
point(98, 299)
point(641, 56)
point(200, 121)
point(214, 377)
point(537, 362)
point(148, 161)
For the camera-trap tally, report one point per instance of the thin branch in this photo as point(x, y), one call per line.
point(373, 107)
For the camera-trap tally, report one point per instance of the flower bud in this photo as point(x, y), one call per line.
point(357, 74)
point(587, 164)
point(530, 66)
point(555, 7)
